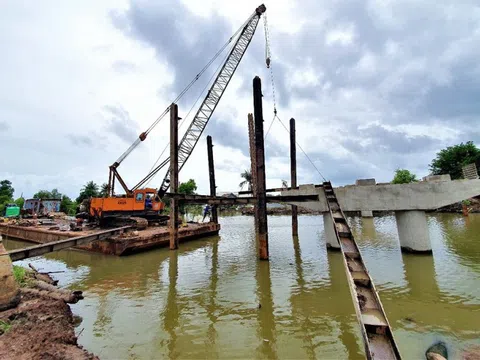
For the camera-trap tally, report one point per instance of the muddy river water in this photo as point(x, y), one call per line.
point(213, 299)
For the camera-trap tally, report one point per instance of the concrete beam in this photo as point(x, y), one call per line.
point(389, 197)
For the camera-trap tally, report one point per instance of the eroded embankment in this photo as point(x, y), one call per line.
point(41, 326)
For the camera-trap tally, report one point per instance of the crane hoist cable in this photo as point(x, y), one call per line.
point(303, 151)
point(268, 57)
point(268, 61)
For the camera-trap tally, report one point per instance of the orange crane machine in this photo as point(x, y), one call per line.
point(140, 205)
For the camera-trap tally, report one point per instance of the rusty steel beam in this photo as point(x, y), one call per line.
point(211, 175)
point(293, 174)
point(261, 225)
point(203, 199)
point(37, 250)
point(376, 331)
point(246, 192)
point(174, 176)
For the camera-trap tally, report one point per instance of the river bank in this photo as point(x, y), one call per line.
point(42, 325)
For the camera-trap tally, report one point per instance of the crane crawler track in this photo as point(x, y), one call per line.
point(376, 331)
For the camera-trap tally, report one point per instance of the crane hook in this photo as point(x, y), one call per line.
point(268, 62)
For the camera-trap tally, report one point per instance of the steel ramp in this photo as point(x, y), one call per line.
point(376, 331)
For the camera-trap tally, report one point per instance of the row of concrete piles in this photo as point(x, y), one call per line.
point(257, 155)
point(258, 191)
point(409, 222)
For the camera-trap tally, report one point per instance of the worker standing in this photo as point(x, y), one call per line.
point(206, 211)
point(148, 202)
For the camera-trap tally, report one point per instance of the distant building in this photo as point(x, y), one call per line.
point(229, 195)
point(41, 207)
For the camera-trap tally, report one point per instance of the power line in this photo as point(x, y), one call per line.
point(304, 153)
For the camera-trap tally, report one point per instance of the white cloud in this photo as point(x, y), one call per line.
point(342, 36)
point(394, 75)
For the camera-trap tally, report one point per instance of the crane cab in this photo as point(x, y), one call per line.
point(143, 203)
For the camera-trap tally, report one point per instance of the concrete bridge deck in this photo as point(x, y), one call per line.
point(408, 201)
point(421, 195)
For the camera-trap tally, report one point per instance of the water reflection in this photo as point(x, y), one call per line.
point(266, 318)
point(368, 228)
point(171, 312)
point(203, 300)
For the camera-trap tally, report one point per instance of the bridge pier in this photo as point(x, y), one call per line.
point(330, 237)
point(366, 213)
point(413, 232)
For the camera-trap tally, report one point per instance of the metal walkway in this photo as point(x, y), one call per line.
point(376, 331)
point(38, 250)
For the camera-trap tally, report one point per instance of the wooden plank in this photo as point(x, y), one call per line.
point(37, 250)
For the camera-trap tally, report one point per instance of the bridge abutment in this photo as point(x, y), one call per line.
point(330, 237)
point(413, 232)
point(9, 291)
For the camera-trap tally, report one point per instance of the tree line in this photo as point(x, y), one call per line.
point(68, 205)
point(450, 161)
point(447, 161)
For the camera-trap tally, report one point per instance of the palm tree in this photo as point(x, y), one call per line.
point(284, 184)
point(90, 189)
point(103, 190)
point(247, 176)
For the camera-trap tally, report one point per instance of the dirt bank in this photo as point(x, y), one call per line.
point(473, 206)
point(40, 327)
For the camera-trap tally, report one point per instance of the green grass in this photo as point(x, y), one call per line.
point(4, 327)
point(20, 274)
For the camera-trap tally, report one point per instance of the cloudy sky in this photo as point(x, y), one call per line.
point(374, 85)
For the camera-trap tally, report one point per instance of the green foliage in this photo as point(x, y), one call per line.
point(103, 190)
point(19, 273)
point(90, 189)
point(453, 158)
point(6, 194)
point(20, 201)
point(45, 194)
point(4, 327)
point(247, 176)
point(6, 189)
point(68, 206)
point(188, 188)
point(403, 176)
